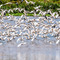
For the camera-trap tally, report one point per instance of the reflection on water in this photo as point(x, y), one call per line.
point(10, 51)
point(39, 53)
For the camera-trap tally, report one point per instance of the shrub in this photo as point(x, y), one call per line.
point(5, 1)
point(13, 6)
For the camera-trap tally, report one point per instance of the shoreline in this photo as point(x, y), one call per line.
point(33, 16)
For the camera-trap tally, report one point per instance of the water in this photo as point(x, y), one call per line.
point(28, 52)
point(38, 49)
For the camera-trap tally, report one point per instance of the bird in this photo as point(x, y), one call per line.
point(57, 41)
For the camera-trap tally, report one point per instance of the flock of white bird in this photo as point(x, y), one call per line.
point(29, 30)
point(43, 13)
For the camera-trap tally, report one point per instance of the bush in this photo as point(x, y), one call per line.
point(16, 11)
point(38, 3)
point(29, 7)
point(5, 1)
point(13, 6)
point(6, 7)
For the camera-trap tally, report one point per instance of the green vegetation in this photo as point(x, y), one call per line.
point(29, 14)
point(30, 7)
point(5, 1)
point(15, 14)
point(46, 4)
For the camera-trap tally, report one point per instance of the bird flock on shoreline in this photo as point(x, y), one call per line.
point(26, 29)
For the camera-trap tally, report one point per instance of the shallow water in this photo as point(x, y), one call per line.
point(36, 50)
point(10, 51)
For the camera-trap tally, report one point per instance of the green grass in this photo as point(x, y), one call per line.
point(29, 14)
point(48, 15)
point(15, 14)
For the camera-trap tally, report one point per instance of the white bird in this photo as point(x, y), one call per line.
point(57, 41)
point(35, 23)
point(22, 43)
point(26, 1)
